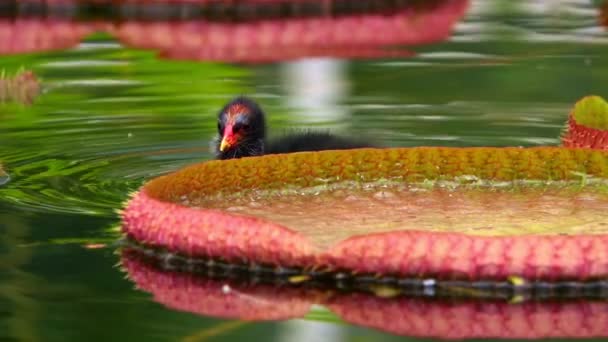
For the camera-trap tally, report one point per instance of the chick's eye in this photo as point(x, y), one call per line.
point(240, 127)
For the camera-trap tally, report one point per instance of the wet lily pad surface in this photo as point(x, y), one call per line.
point(333, 213)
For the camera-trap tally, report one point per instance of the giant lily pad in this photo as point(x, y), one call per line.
point(448, 213)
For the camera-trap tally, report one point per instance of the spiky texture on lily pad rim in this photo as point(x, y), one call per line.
point(588, 124)
point(155, 218)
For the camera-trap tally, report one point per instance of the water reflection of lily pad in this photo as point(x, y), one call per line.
point(408, 316)
point(221, 298)
point(446, 212)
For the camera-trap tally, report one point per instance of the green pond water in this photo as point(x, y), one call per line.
point(110, 117)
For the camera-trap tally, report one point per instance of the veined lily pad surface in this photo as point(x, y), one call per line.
point(466, 213)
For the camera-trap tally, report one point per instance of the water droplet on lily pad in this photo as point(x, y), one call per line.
point(382, 195)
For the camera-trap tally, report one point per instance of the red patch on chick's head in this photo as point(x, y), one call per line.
point(236, 110)
point(231, 138)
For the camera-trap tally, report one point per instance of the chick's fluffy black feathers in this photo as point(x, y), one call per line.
point(252, 142)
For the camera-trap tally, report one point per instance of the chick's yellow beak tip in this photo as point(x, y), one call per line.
point(224, 145)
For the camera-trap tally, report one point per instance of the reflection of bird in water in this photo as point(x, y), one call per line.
point(242, 133)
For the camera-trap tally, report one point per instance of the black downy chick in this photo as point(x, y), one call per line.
point(242, 133)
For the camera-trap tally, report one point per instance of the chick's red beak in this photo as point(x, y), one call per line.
point(229, 139)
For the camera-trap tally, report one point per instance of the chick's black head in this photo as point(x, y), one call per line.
point(241, 128)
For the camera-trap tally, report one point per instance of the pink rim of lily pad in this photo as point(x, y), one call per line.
point(154, 216)
point(402, 316)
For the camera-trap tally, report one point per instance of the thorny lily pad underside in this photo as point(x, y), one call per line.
point(445, 212)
